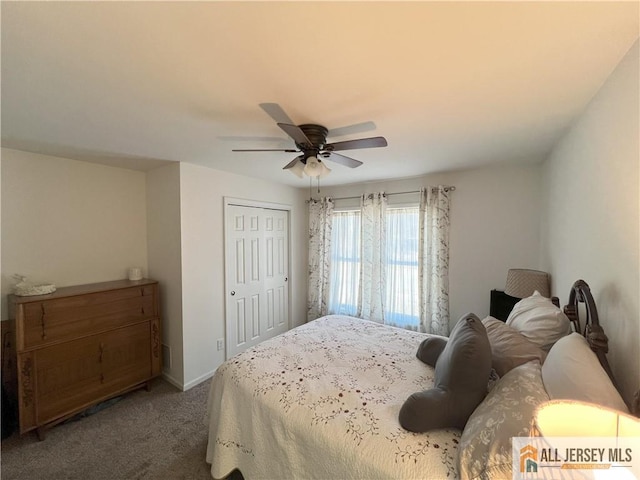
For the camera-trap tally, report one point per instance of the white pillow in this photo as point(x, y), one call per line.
point(538, 319)
point(572, 370)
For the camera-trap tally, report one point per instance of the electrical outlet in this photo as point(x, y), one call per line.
point(220, 344)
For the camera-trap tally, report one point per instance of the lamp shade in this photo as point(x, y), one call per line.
point(312, 168)
point(571, 418)
point(324, 170)
point(563, 430)
point(522, 282)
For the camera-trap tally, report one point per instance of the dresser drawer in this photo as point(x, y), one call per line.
point(67, 375)
point(67, 318)
point(126, 357)
point(75, 373)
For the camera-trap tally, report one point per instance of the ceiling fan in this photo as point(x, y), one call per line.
point(311, 141)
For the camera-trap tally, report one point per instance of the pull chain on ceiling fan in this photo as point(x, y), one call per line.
point(311, 140)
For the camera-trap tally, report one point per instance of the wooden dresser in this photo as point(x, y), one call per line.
point(82, 345)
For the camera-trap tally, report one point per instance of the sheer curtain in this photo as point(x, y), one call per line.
point(402, 305)
point(320, 223)
point(373, 257)
point(433, 258)
point(345, 263)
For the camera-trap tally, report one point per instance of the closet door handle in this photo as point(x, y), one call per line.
point(233, 292)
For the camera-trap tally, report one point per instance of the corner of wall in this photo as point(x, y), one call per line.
point(591, 224)
point(165, 262)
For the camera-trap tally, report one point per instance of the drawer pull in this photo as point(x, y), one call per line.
point(102, 378)
point(101, 351)
point(142, 310)
point(44, 333)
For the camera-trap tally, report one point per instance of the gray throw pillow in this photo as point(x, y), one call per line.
point(430, 349)
point(461, 375)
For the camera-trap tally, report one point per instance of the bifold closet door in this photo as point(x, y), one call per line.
point(257, 264)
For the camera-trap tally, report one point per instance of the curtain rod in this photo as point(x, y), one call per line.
point(446, 189)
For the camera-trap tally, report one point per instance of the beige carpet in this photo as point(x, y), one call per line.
point(145, 435)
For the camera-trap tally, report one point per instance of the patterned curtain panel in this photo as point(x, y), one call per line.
point(320, 222)
point(433, 258)
point(373, 257)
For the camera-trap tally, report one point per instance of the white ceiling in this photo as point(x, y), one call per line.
point(450, 85)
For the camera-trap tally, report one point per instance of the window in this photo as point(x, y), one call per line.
point(345, 263)
point(401, 254)
point(402, 301)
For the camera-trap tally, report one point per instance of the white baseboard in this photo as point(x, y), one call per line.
point(188, 385)
point(198, 380)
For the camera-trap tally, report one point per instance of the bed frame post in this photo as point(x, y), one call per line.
point(593, 332)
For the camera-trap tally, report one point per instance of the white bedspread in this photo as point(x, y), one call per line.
point(322, 401)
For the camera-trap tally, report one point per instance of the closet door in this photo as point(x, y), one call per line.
point(256, 260)
point(276, 281)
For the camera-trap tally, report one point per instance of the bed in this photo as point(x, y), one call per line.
point(322, 400)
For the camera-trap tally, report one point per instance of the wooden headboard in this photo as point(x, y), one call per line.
point(592, 330)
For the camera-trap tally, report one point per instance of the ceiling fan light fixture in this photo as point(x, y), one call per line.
point(297, 169)
point(313, 167)
point(311, 141)
point(324, 170)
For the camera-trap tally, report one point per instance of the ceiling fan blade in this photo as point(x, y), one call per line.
point(343, 160)
point(360, 143)
point(351, 129)
point(296, 133)
point(276, 112)
point(249, 138)
point(293, 162)
point(264, 150)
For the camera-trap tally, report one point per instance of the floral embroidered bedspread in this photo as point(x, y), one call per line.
point(322, 401)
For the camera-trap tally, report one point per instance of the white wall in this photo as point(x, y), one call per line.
point(72, 222)
point(186, 255)
point(590, 223)
point(165, 261)
point(495, 225)
point(69, 222)
point(202, 191)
